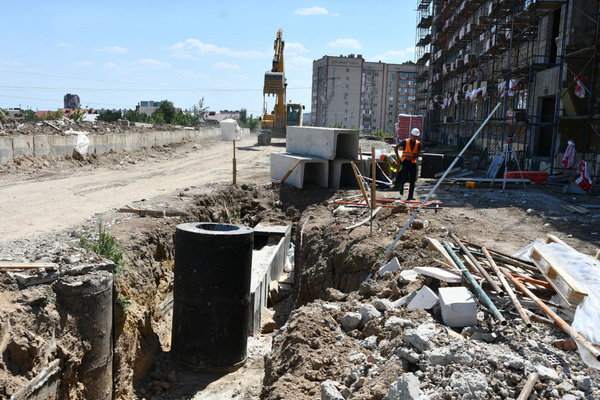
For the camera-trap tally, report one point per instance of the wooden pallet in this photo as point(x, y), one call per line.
point(571, 291)
point(575, 209)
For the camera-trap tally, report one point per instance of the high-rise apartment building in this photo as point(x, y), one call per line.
point(351, 92)
point(71, 101)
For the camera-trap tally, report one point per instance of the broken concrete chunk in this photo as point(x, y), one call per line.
point(408, 275)
point(397, 321)
point(546, 373)
point(329, 391)
point(350, 321)
point(405, 388)
point(446, 356)
point(382, 304)
point(370, 342)
point(459, 307)
point(393, 265)
point(368, 312)
point(470, 384)
point(439, 273)
point(424, 300)
point(422, 338)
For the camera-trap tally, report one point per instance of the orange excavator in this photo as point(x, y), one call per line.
point(274, 124)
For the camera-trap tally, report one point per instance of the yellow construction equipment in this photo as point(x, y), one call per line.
point(274, 124)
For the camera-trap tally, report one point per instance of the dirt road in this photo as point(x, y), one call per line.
point(45, 201)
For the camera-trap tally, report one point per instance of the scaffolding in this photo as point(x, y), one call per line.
point(538, 58)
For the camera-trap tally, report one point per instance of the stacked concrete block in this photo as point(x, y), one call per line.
point(335, 148)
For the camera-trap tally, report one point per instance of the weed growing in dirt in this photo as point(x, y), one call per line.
point(123, 301)
point(103, 243)
point(49, 297)
point(349, 258)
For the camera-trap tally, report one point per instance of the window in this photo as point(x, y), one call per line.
point(376, 90)
point(345, 95)
point(369, 80)
point(368, 104)
point(369, 73)
point(375, 105)
point(392, 83)
point(390, 114)
point(393, 75)
point(389, 121)
point(391, 106)
point(403, 74)
point(403, 83)
point(402, 98)
point(391, 91)
point(347, 70)
point(411, 98)
point(347, 86)
point(401, 105)
point(345, 103)
point(345, 119)
point(412, 91)
point(376, 74)
point(391, 98)
point(413, 74)
point(345, 111)
point(369, 89)
point(376, 82)
point(347, 78)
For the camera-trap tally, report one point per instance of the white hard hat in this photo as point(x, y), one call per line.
point(415, 132)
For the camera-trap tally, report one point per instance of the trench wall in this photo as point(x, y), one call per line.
point(59, 145)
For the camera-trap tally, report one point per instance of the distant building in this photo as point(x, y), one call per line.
point(306, 118)
point(215, 118)
point(148, 107)
point(351, 92)
point(72, 101)
point(15, 113)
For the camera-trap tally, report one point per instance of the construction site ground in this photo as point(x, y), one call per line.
point(47, 204)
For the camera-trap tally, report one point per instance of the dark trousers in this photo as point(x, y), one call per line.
point(408, 174)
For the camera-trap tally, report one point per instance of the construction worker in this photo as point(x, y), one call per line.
point(411, 149)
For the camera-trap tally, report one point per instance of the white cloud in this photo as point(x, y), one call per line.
point(299, 63)
point(111, 65)
point(312, 11)
point(396, 55)
point(191, 75)
point(294, 48)
point(193, 47)
point(148, 63)
point(113, 50)
point(335, 14)
point(226, 66)
point(348, 43)
point(85, 64)
point(64, 45)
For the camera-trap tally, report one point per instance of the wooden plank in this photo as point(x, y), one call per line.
point(550, 238)
point(11, 265)
point(435, 245)
point(598, 254)
point(560, 279)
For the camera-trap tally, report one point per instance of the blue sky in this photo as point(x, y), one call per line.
point(115, 54)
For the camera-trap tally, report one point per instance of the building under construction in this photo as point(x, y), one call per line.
point(537, 59)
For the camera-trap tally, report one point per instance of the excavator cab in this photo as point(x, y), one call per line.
point(294, 114)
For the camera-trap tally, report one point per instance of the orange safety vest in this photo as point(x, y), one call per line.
point(410, 154)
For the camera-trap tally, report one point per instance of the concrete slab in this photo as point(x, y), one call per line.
point(424, 300)
point(41, 146)
point(439, 273)
point(311, 169)
point(341, 174)
point(459, 307)
point(268, 258)
point(328, 143)
point(6, 149)
point(393, 265)
point(21, 145)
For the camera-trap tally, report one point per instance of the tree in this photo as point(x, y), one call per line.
point(157, 117)
point(198, 112)
point(167, 110)
point(243, 116)
point(182, 118)
point(109, 116)
point(29, 115)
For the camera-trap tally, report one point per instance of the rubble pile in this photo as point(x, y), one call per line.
point(15, 127)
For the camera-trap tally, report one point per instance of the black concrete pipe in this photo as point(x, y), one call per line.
point(211, 296)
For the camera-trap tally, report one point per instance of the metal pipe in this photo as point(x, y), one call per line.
point(572, 332)
point(531, 380)
point(508, 289)
point(478, 266)
point(473, 282)
point(441, 180)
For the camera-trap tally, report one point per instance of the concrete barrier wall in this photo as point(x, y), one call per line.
point(58, 145)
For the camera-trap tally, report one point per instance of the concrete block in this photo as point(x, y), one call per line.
point(6, 149)
point(424, 300)
point(341, 174)
point(459, 307)
point(328, 143)
point(21, 145)
point(311, 169)
point(62, 145)
point(41, 146)
point(405, 388)
point(131, 141)
point(393, 265)
point(439, 273)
